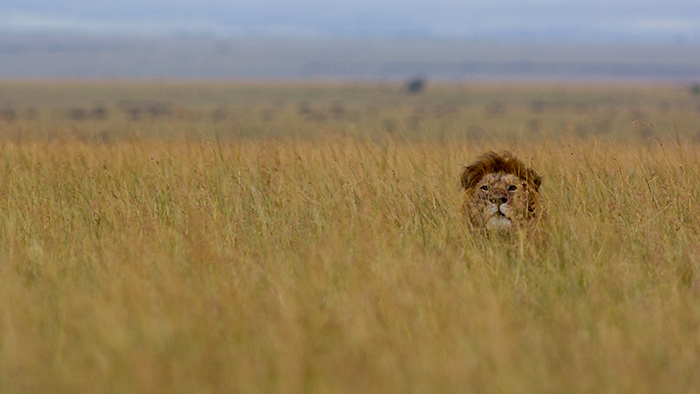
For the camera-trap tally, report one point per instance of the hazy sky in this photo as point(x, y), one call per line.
point(661, 21)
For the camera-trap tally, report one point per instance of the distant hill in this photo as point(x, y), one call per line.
point(48, 56)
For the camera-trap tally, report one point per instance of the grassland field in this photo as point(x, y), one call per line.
point(212, 237)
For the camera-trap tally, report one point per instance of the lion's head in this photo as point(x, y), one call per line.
point(502, 193)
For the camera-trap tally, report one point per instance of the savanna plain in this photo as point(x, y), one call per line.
point(212, 237)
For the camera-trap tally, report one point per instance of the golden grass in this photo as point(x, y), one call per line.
point(334, 261)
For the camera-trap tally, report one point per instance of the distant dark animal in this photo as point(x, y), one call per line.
point(415, 85)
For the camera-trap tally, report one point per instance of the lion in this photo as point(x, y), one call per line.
point(502, 194)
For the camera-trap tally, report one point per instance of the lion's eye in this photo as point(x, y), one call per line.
point(485, 188)
point(512, 188)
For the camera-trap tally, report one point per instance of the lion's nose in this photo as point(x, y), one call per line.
point(499, 199)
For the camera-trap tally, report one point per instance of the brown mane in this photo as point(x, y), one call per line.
point(492, 162)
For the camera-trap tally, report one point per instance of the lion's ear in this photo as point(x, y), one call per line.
point(468, 178)
point(536, 181)
point(465, 179)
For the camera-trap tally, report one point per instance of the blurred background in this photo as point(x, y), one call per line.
point(360, 39)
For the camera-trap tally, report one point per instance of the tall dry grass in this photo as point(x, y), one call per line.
point(341, 263)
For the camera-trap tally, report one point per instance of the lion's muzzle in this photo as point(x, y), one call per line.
point(502, 199)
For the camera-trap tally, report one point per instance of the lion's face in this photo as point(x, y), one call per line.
point(500, 200)
point(501, 193)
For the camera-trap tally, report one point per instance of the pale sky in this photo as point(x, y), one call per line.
point(576, 20)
